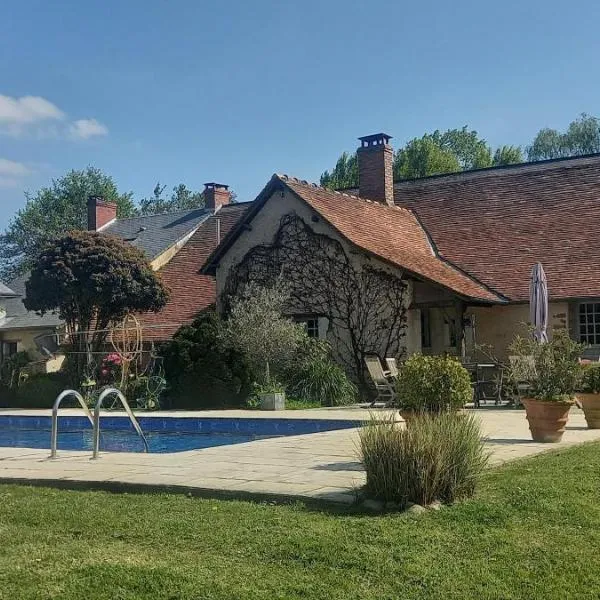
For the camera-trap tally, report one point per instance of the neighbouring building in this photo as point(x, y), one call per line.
point(176, 245)
point(462, 245)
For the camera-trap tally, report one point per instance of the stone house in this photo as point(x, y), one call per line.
point(462, 244)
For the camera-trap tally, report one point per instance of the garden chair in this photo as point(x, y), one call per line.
point(392, 366)
point(522, 369)
point(383, 386)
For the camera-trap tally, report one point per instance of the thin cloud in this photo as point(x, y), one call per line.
point(28, 109)
point(84, 129)
point(12, 169)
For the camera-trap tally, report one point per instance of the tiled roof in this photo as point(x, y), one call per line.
point(390, 232)
point(496, 224)
point(18, 317)
point(154, 234)
point(191, 292)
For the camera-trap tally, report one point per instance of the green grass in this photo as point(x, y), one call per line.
point(533, 531)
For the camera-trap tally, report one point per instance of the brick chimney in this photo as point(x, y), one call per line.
point(375, 176)
point(100, 212)
point(216, 194)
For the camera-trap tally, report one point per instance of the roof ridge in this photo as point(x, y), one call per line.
point(175, 212)
point(288, 178)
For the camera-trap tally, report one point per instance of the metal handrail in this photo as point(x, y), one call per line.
point(59, 399)
point(129, 412)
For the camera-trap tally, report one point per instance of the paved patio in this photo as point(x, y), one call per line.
point(320, 466)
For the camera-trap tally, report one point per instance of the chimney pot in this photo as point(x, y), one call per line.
point(216, 194)
point(375, 168)
point(100, 212)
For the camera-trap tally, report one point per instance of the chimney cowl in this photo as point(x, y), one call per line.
point(216, 194)
point(375, 168)
point(100, 213)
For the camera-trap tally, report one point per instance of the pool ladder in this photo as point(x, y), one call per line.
point(95, 420)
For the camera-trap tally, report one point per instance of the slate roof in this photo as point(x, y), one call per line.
point(154, 234)
point(191, 292)
point(497, 223)
point(6, 292)
point(18, 317)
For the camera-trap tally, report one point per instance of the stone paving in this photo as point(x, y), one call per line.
point(319, 466)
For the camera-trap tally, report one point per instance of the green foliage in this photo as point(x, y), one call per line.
point(423, 157)
point(590, 379)
point(581, 137)
point(10, 367)
point(437, 457)
point(507, 155)
point(556, 369)
point(202, 369)
point(38, 391)
point(344, 174)
point(257, 328)
point(324, 381)
point(92, 280)
point(53, 211)
point(433, 384)
point(181, 198)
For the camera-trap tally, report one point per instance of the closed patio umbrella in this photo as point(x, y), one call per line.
point(538, 303)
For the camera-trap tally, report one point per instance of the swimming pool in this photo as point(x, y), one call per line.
point(164, 434)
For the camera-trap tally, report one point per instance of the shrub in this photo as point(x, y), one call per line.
point(438, 457)
point(38, 391)
point(433, 384)
point(590, 379)
point(204, 371)
point(324, 382)
point(555, 368)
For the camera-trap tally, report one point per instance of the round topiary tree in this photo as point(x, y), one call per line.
point(92, 280)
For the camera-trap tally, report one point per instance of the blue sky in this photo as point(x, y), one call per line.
point(194, 91)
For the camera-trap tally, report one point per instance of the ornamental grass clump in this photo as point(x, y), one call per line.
point(438, 457)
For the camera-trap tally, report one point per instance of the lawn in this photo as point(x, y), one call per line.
point(533, 531)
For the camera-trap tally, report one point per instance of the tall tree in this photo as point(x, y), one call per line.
point(581, 137)
point(52, 211)
point(423, 157)
point(181, 198)
point(343, 175)
point(92, 281)
point(471, 151)
point(507, 155)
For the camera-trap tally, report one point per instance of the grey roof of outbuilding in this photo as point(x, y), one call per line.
point(155, 234)
point(18, 317)
point(6, 292)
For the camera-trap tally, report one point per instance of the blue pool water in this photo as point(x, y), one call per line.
point(164, 434)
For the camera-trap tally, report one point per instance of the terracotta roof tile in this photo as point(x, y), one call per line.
point(390, 232)
point(191, 292)
point(495, 224)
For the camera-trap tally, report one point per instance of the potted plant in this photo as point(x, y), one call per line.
point(552, 382)
point(271, 396)
point(589, 396)
point(432, 384)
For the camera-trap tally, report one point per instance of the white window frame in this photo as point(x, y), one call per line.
point(588, 322)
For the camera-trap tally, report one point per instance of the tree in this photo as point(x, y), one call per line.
point(257, 328)
point(92, 280)
point(51, 212)
point(423, 157)
point(581, 137)
point(344, 174)
point(181, 198)
point(507, 155)
point(470, 151)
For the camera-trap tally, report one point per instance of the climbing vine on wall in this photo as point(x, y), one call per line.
point(365, 305)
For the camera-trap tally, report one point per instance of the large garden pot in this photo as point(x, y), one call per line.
point(547, 419)
point(590, 403)
point(274, 401)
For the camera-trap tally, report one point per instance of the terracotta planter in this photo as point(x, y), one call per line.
point(590, 403)
point(547, 420)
